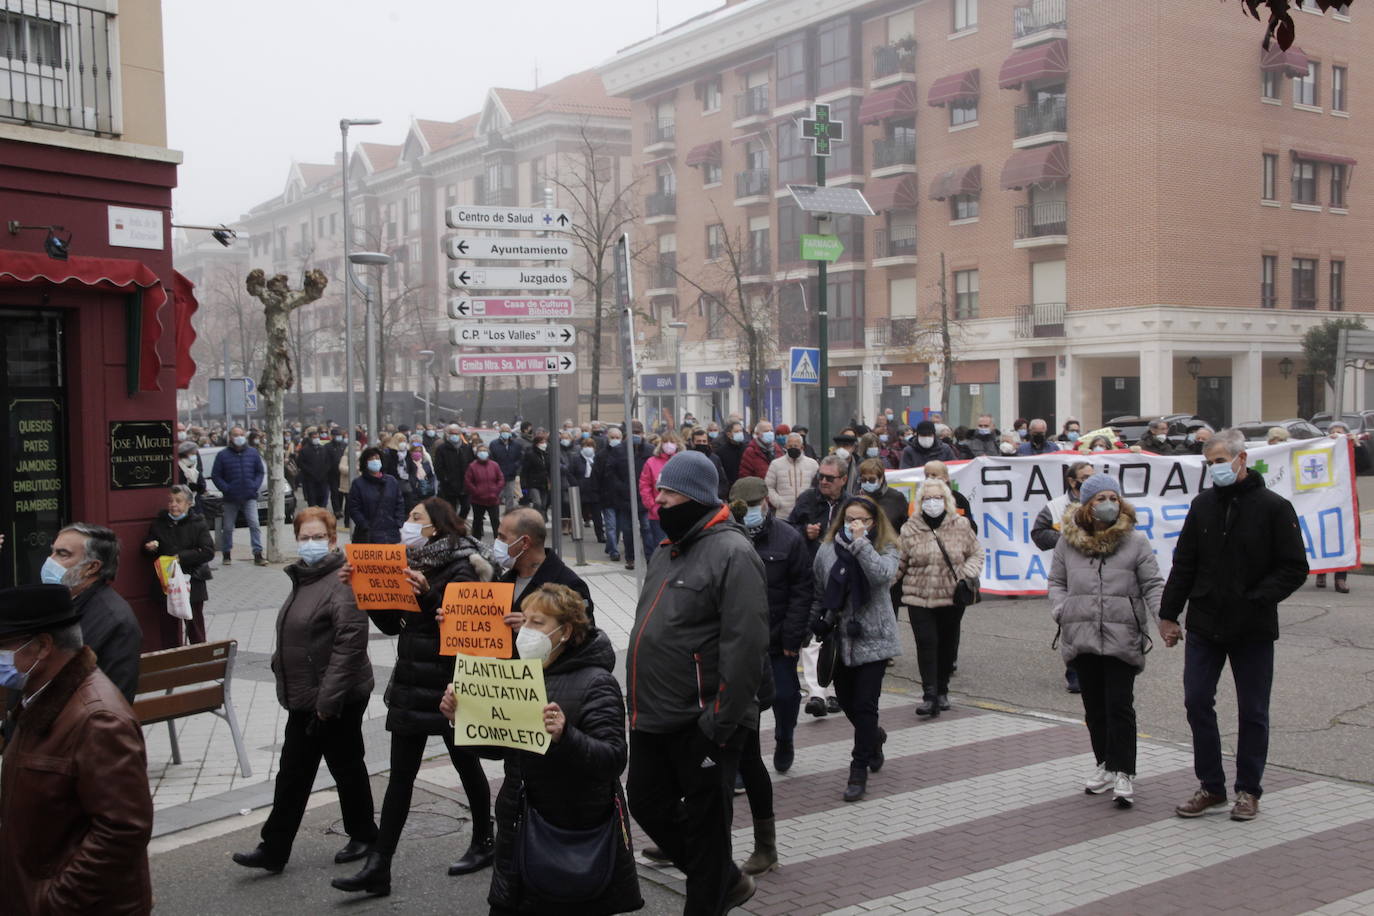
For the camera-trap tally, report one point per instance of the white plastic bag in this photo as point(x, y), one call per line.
point(179, 594)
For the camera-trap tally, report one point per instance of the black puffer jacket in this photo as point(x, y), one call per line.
point(576, 785)
point(788, 578)
point(190, 542)
point(421, 673)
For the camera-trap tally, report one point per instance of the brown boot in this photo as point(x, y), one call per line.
point(765, 855)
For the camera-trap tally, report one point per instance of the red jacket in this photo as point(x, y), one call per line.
point(484, 481)
point(755, 460)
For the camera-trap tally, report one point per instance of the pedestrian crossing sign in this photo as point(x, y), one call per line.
point(1312, 469)
point(803, 366)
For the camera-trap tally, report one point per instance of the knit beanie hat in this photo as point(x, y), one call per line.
point(693, 475)
point(925, 428)
point(1097, 484)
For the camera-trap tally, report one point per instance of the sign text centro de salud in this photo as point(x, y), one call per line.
point(528, 219)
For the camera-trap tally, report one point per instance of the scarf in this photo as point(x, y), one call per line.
point(847, 584)
point(441, 553)
point(188, 470)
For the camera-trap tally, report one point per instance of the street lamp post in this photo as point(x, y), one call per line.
point(351, 418)
point(370, 259)
point(678, 327)
point(424, 374)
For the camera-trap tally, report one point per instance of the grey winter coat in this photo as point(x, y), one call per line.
point(879, 640)
point(1105, 589)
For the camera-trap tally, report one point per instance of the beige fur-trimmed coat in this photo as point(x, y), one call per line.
point(925, 577)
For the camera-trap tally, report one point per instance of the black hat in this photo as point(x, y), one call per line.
point(925, 428)
point(30, 609)
point(843, 439)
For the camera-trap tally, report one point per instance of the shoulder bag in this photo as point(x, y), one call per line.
point(966, 588)
point(566, 866)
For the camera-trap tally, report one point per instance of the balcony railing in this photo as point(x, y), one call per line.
point(757, 260)
point(889, 60)
point(665, 272)
point(660, 203)
point(896, 242)
point(1038, 16)
point(752, 183)
point(1305, 303)
point(57, 66)
point(890, 151)
point(1043, 319)
point(752, 102)
point(660, 131)
point(1047, 218)
point(1049, 116)
point(499, 197)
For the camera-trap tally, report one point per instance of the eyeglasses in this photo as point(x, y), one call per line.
point(830, 477)
point(306, 538)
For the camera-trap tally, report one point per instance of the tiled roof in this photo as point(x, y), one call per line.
point(440, 134)
point(382, 156)
point(579, 94)
point(315, 173)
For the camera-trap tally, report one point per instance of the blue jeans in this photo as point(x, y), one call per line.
point(653, 536)
point(617, 522)
point(230, 518)
point(787, 701)
point(1252, 667)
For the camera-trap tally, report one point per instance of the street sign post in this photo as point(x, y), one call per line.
point(554, 278)
point(523, 364)
point(461, 307)
point(513, 249)
point(512, 335)
point(821, 248)
point(529, 219)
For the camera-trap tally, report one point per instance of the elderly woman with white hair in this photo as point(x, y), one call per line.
point(939, 549)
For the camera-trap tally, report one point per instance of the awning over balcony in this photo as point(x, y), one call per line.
point(1292, 62)
point(703, 153)
point(897, 193)
point(965, 180)
point(655, 163)
point(1036, 165)
point(1328, 158)
point(955, 86)
point(760, 135)
point(893, 102)
point(1047, 61)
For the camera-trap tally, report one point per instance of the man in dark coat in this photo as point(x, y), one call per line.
point(1039, 441)
point(924, 446)
point(74, 798)
point(508, 451)
point(982, 441)
point(760, 452)
point(531, 564)
point(451, 460)
point(376, 506)
point(1156, 438)
point(701, 442)
point(613, 482)
point(584, 475)
point(86, 557)
point(730, 448)
point(1239, 554)
point(238, 472)
point(313, 464)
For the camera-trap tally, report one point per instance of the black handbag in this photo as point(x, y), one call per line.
point(829, 658)
point(966, 590)
point(566, 866)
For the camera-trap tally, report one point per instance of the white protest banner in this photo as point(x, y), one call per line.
point(1006, 494)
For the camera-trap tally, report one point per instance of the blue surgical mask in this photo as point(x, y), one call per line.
point(637, 439)
point(240, 441)
point(1073, 435)
point(10, 676)
point(176, 517)
point(712, 433)
point(766, 438)
point(753, 517)
point(613, 443)
point(588, 451)
point(1223, 475)
point(871, 452)
point(565, 442)
point(505, 435)
point(374, 465)
point(312, 552)
point(871, 486)
point(52, 572)
point(586, 434)
point(883, 438)
point(737, 437)
point(483, 455)
point(456, 440)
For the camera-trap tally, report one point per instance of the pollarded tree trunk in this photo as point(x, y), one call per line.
point(278, 302)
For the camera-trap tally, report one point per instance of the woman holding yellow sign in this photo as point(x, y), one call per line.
point(438, 551)
point(567, 801)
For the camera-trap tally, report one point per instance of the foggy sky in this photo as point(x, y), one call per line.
point(253, 84)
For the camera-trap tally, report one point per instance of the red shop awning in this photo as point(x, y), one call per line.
point(115, 274)
point(184, 306)
point(1047, 61)
point(966, 180)
point(1292, 62)
point(896, 193)
point(703, 153)
point(1328, 158)
point(955, 86)
point(893, 102)
point(1036, 165)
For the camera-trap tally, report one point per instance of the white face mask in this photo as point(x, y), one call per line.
point(500, 552)
point(412, 534)
point(925, 441)
point(1007, 448)
point(842, 453)
point(933, 506)
point(534, 645)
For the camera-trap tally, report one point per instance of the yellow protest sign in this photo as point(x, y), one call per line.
point(474, 619)
point(378, 580)
point(500, 703)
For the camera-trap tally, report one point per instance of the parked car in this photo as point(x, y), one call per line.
point(1131, 429)
point(211, 501)
point(1361, 425)
point(1257, 431)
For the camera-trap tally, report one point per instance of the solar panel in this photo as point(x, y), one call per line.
point(813, 199)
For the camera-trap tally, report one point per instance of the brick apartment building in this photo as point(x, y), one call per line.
point(519, 144)
point(1138, 210)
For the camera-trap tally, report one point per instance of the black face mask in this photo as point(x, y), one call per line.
point(794, 453)
point(702, 447)
point(1038, 438)
point(676, 521)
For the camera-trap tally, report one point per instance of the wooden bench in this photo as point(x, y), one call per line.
point(187, 681)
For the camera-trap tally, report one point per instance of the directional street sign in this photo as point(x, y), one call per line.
point(502, 249)
point(847, 373)
point(557, 278)
point(821, 248)
point(524, 364)
point(461, 307)
point(512, 335)
point(526, 218)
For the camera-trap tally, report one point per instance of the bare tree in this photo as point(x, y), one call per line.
point(278, 302)
point(602, 210)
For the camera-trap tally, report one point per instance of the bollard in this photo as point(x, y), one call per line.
point(575, 516)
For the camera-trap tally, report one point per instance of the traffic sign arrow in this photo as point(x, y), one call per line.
point(511, 335)
point(462, 246)
point(526, 218)
point(559, 278)
point(511, 307)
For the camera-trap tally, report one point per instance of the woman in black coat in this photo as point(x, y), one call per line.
point(576, 784)
point(416, 687)
point(534, 475)
point(375, 504)
point(176, 532)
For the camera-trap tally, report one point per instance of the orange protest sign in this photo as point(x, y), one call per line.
point(379, 582)
point(473, 619)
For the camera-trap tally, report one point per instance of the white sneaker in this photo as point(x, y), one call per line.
point(1100, 781)
point(1123, 791)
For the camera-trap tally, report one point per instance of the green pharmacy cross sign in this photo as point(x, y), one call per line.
point(821, 130)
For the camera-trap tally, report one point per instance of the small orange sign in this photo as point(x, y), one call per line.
point(474, 619)
point(379, 581)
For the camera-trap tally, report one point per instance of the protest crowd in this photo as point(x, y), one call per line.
point(725, 514)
